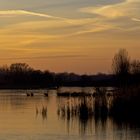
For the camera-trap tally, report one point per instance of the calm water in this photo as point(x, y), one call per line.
point(41, 118)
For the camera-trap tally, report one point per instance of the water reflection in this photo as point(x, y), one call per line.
point(42, 112)
point(70, 117)
point(81, 110)
point(91, 115)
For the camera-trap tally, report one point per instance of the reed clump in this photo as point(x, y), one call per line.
point(126, 104)
point(122, 107)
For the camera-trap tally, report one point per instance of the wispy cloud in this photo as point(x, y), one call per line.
point(136, 19)
point(119, 18)
point(24, 12)
point(54, 24)
point(44, 57)
point(51, 29)
point(127, 8)
point(106, 17)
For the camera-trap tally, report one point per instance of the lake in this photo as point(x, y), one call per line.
point(56, 118)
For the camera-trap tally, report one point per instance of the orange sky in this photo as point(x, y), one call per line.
point(73, 36)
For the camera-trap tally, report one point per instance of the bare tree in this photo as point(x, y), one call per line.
point(135, 67)
point(19, 67)
point(121, 63)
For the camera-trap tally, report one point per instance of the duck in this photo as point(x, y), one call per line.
point(31, 94)
point(46, 94)
point(27, 94)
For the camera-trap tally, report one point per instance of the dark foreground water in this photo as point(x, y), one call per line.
point(50, 118)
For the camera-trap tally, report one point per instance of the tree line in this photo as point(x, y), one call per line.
point(21, 75)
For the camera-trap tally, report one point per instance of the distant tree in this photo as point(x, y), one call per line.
point(61, 78)
point(135, 67)
point(4, 69)
point(121, 66)
point(20, 67)
point(49, 78)
point(121, 63)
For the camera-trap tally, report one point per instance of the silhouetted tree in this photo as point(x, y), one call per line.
point(4, 69)
point(20, 67)
point(135, 67)
point(49, 78)
point(135, 72)
point(121, 65)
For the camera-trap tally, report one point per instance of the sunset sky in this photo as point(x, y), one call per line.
point(78, 36)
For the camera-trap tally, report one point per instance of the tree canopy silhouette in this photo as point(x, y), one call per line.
point(135, 67)
point(121, 63)
point(20, 67)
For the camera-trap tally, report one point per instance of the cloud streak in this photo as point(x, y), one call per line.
point(45, 57)
point(52, 29)
point(127, 8)
point(105, 17)
point(24, 12)
point(136, 19)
